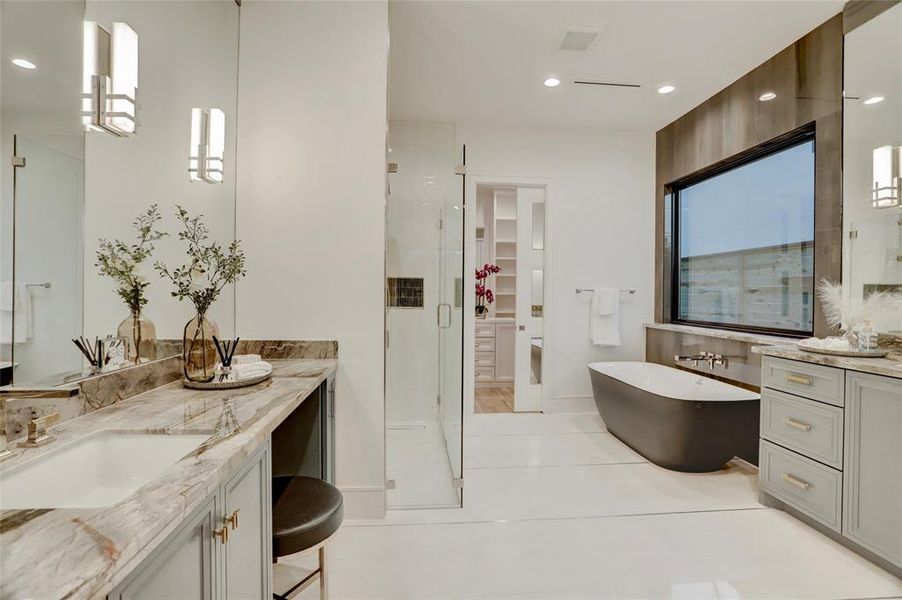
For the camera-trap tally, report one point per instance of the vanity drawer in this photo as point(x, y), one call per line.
point(485, 374)
point(808, 427)
point(485, 344)
point(484, 329)
point(485, 359)
point(800, 482)
point(824, 384)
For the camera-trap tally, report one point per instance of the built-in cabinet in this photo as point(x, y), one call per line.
point(831, 450)
point(222, 551)
point(872, 481)
point(495, 354)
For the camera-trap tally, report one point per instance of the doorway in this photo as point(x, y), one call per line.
point(509, 313)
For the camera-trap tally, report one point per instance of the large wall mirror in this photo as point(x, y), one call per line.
point(872, 162)
point(108, 109)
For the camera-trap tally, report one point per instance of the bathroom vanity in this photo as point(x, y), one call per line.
point(200, 527)
point(831, 446)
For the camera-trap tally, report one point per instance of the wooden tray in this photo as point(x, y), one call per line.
point(849, 353)
point(226, 385)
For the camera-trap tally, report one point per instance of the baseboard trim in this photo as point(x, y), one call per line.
point(363, 501)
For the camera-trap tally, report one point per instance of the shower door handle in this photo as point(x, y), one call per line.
point(438, 316)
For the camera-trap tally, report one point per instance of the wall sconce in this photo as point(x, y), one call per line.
point(207, 151)
point(110, 79)
point(887, 191)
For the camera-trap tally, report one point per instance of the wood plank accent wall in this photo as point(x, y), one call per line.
point(807, 78)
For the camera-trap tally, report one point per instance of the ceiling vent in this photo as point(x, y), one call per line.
point(606, 83)
point(579, 39)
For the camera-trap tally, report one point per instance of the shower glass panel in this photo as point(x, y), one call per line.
point(451, 259)
point(49, 209)
point(424, 317)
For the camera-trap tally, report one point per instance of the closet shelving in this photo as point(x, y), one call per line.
point(505, 282)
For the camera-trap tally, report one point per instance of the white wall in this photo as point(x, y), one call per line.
point(600, 231)
point(310, 207)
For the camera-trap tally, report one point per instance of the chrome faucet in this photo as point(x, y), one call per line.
point(694, 358)
point(708, 357)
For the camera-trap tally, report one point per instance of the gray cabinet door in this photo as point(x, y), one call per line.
point(183, 568)
point(872, 485)
point(248, 554)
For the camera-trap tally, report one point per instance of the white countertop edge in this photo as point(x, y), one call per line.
point(725, 334)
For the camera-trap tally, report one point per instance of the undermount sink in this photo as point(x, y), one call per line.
point(98, 470)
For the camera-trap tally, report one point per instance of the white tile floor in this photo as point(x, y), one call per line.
point(557, 508)
point(417, 461)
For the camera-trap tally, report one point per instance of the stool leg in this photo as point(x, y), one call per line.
point(323, 593)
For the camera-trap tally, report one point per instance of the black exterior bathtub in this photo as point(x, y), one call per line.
point(676, 419)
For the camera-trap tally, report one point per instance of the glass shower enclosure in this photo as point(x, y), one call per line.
point(424, 316)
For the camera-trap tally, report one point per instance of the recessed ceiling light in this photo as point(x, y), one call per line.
point(666, 89)
point(27, 64)
point(874, 100)
point(767, 96)
point(552, 82)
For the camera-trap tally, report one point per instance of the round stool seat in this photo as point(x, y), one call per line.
point(306, 511)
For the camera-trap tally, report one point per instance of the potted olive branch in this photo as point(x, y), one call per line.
point(209, 269)
point(121, 262)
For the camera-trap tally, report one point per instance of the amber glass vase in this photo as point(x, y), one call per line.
point(142, 337)
point(198, 349)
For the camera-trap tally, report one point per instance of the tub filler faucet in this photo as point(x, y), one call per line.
point(708, 357)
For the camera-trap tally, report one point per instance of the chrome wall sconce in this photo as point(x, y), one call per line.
point(110, 79)
point(207, 151)
point(887, 192)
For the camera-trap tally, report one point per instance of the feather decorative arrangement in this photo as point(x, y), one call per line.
point(847, 316)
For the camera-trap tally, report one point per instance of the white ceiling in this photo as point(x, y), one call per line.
point(49, 34)
point(485, 61)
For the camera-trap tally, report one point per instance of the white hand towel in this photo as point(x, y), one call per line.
point(251, 370)
point(245, 359)
point(604, 317)
point(604, 301)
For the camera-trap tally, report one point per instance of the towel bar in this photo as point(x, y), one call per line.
point(581, 290)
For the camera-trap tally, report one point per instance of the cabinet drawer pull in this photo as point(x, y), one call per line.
point(799, 483)
point(792, 378)
point(790, 422)
point(232, 519)
point(222, 534)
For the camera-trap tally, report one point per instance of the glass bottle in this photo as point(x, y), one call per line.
point(141, 335)
point(198, 349)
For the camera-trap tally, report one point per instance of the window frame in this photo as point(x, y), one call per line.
point(801, 136)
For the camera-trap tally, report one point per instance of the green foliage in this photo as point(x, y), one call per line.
point(120, 261)
point(209, 268)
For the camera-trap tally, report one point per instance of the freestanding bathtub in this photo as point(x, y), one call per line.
point(676, 419)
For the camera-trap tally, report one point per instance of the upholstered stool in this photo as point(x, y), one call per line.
point(305, 512)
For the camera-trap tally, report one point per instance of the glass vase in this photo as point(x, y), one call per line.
point(141, 335)
point(198, 349)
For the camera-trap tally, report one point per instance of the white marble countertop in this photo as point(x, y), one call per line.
point(84, 553)
point(890, 366)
